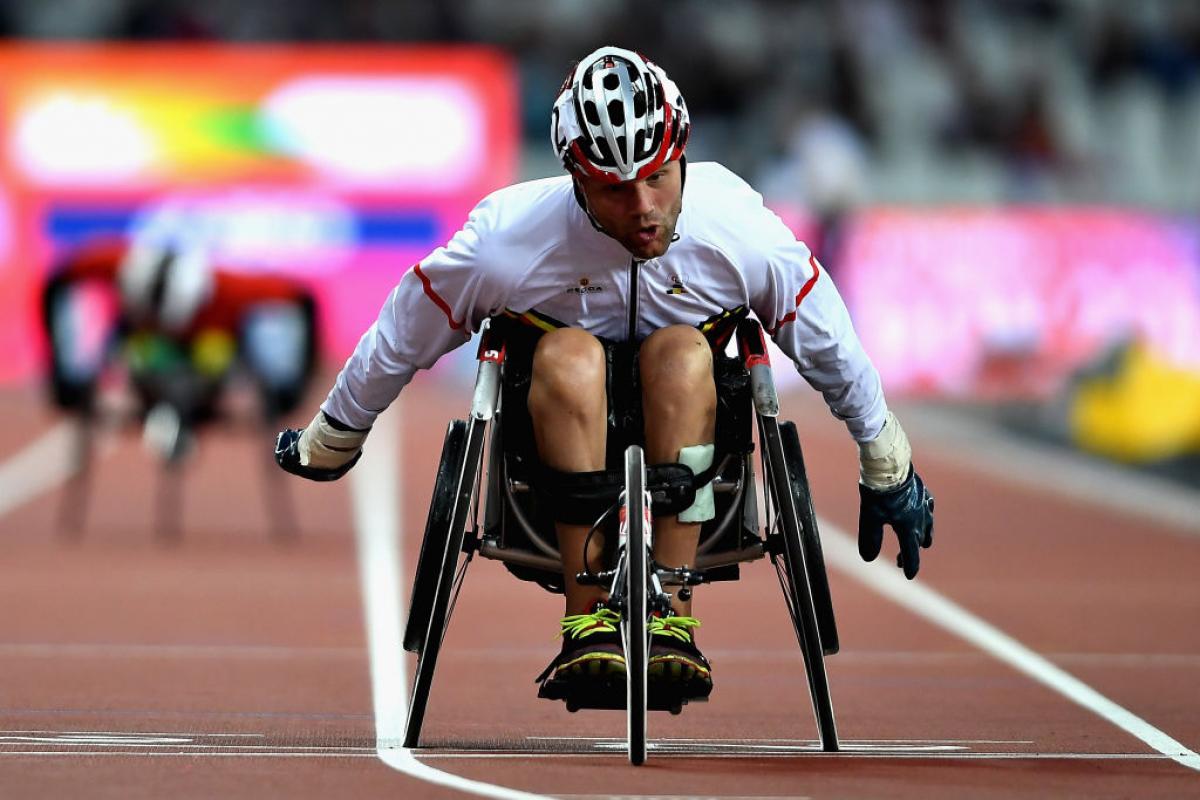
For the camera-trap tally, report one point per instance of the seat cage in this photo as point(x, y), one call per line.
point(511, 535)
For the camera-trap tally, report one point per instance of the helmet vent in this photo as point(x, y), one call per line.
point(605, 153)
point(639, 105)
point(611, 81)
point(616, 112)
point(591, 112)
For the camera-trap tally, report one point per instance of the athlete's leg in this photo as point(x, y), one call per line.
point(569, 408)
point(679, 400)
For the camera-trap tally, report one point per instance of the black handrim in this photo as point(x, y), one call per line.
point(634, 624)
point(800, 601)
point(814, 558)
point(438, 617)
point(437, 528)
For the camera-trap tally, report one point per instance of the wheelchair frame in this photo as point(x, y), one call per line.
point(790, 537)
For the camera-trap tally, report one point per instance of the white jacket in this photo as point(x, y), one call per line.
point(531, 247)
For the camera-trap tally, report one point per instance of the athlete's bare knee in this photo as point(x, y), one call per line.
point(568, 367)
point(676, 359)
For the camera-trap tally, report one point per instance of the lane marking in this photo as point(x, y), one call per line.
point(804, 742)
point(369, 753)
point(375, 489)
point(100, 650)
point(816, 752)
point(135, 733)
point(373, 753)
point(38, 467)
point(788, 655)
point(684, 797)
point(920, 599)
point(726, 655)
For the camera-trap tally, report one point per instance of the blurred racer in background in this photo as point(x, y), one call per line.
point(609, 266)
point(181, 327)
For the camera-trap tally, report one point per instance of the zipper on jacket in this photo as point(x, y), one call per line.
point(634, 264)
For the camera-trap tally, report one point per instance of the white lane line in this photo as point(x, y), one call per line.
point(69, 748)
point(728, 655)
point(139, 734)
point(682, 797)
point(373, 753)
point(252, 652)
point(43, 464)
point(376, 489)
point(816, 752)
point(841, 551)
point(803, 743)
point(187, 754)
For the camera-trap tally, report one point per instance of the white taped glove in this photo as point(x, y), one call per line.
point(885, 460)
point(322, 446)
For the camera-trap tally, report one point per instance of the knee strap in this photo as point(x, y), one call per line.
point(579, 498)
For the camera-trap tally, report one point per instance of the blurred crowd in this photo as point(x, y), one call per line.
point(824, 103)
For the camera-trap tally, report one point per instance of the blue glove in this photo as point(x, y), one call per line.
point(908, 509)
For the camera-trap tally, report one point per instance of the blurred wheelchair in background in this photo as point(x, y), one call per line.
point(155, 336)
point(485, 503)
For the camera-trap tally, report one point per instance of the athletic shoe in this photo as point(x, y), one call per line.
point(591, 663)
point(676, 665)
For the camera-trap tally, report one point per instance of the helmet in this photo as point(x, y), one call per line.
point(618, 117)
point(164, 285)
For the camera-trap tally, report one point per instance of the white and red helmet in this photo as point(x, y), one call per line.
point(618, 117)
point(164, 284)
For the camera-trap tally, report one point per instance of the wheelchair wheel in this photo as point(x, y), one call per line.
point(448, 573)
point(796, 584)
point(633, 624)
point(814, 559)
point(437, 529)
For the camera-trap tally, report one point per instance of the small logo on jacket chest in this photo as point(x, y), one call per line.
point(676, 286)
point(585, 286)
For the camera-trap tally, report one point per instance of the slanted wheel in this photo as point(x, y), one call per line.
point(798, 592)
point(438, 566)
point(437, 528)
point(634, 631)
point(814, 559)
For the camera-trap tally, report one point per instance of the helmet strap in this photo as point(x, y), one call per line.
point(579, 198)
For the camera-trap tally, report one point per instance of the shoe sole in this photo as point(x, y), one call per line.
point(679, 675)
point(595, 680)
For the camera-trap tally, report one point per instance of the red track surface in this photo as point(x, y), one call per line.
point(242, 665)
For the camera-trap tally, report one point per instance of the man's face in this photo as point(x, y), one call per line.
point(641, 214)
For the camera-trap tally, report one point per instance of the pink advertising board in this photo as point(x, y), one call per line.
point(340, 165)
point(1007, 302)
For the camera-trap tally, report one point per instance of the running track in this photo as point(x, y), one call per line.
point(1050, 647)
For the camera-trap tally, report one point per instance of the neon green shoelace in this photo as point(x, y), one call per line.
point(679, 627)
point(579, 626)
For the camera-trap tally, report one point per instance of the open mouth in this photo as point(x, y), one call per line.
point(646, 235)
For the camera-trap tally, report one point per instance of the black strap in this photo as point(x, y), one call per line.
point(580, 498)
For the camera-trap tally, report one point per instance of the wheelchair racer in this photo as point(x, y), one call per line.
point(616, 255)
point(180, 326)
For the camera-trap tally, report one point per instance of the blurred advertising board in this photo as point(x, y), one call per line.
point(1006, 303)
point(341, 165)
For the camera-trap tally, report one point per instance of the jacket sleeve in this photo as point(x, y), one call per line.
point(435, 308)
point(802, 310)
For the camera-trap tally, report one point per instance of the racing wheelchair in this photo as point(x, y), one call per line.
point(486, 464)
